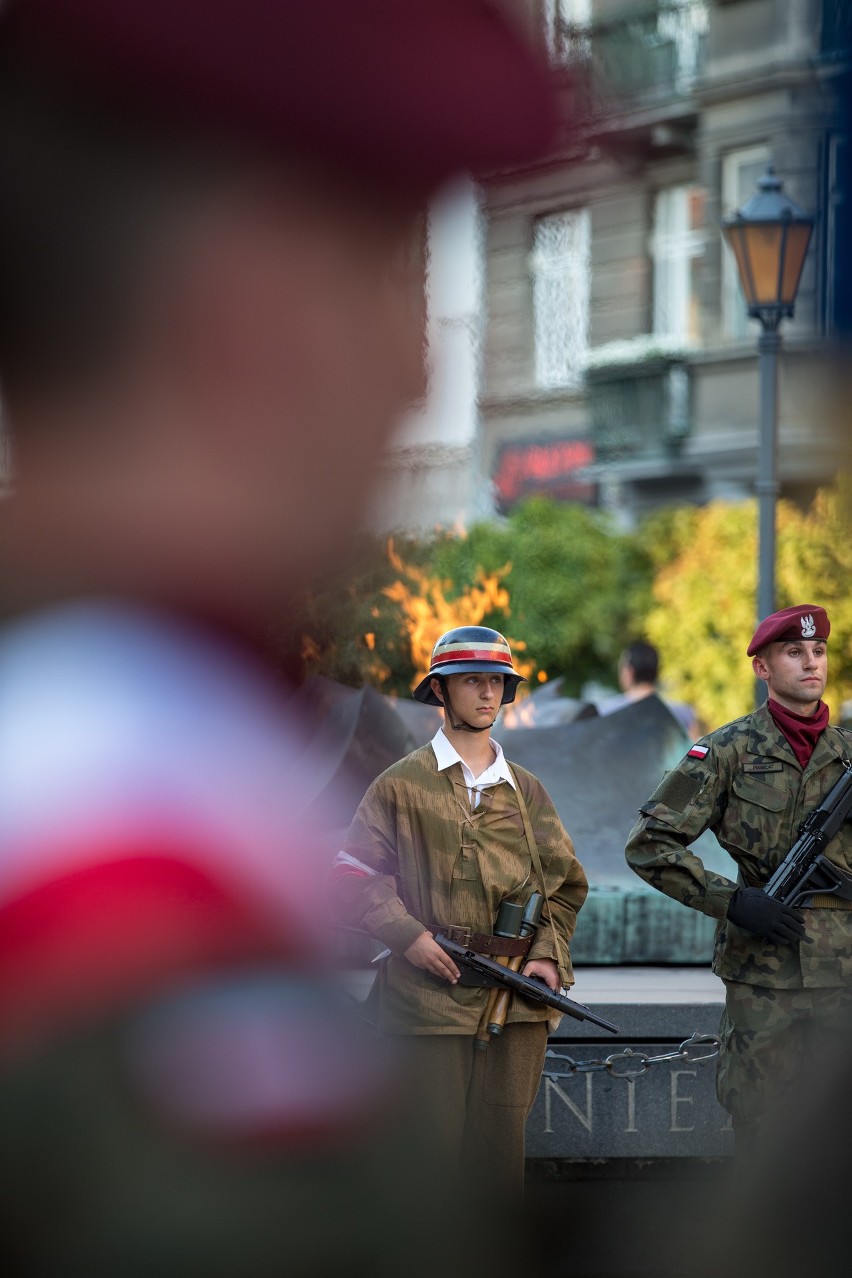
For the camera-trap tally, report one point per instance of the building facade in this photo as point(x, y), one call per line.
point(619, 367)
point(434, 470)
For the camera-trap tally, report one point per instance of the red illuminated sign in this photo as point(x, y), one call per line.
point(548, 467)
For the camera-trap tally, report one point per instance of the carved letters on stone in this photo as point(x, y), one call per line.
point(593, 1113)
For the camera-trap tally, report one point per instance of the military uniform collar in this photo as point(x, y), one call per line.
point(766, 739)
point(831, 746)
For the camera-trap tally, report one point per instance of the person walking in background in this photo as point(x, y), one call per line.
point(638, 674)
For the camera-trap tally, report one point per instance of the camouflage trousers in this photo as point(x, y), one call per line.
point(770, 1038)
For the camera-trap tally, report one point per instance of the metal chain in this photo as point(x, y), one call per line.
point(693, 1050)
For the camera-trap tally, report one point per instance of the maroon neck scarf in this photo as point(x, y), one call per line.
point(802, 732)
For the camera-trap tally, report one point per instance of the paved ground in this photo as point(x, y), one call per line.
point(647, 985)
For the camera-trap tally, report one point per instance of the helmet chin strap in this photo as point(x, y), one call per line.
point(463, 725)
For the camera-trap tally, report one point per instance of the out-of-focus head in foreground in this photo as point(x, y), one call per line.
point(210, 319)
point(210, 264)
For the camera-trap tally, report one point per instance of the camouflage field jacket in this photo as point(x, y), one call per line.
point(751, 792)
point(426, 856)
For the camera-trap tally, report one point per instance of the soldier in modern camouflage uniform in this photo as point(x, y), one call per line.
point(439, 841)
point(752, 782)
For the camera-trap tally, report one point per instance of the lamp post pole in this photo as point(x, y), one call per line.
point(768, 346)
point(769, 237)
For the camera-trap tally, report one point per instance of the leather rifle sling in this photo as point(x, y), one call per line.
point(536, 860)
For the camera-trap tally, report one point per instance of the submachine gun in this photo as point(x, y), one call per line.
point(805, 872)
point(496, 974)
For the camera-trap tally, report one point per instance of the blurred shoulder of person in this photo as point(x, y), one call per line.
point(211, 320)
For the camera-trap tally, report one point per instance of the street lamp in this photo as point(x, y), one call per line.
point(769, 237)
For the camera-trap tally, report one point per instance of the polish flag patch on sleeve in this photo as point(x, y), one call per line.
point(698, 752)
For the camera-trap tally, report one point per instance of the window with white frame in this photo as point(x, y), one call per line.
point(741, 170)
point(565, 22)
point(678, 246)
point(561, 290)
point(685, 24)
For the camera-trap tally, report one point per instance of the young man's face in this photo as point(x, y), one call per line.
point(476, 697)
point(795, 672)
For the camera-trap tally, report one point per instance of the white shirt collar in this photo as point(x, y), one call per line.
point(446, 755)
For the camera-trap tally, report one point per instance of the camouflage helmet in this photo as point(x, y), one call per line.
point(470, 650)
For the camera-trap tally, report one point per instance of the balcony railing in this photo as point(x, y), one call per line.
point(639, 411)
point(651, 56)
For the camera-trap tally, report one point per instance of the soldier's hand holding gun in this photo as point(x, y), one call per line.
point(544, 970)
point(771, 911)
point(535, 990)
point(751, 909)
point(427, 954)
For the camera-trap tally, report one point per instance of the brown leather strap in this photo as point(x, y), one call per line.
point(482, 943)
point(536, 860)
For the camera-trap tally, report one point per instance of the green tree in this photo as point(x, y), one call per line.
point(348, 629)
point(815, 566)
point(576, 585)
point(702, 606)
point(560, 581)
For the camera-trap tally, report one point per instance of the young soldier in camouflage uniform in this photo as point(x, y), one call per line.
point(438, 843)
point(752, 782)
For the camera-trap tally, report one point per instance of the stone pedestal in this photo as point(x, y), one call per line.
point(636, 1108)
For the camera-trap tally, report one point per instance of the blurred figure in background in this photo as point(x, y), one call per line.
point(210, 320)
point(638, 673)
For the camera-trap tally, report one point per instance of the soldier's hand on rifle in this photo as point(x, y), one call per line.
point(546, 970)
point(426, 953)
point(752, 909)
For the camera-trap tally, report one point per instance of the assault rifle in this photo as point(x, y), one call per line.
point(536, 991)
point(804, 870)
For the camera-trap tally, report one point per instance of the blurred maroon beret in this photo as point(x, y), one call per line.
point(802, 621)
point(405, 93)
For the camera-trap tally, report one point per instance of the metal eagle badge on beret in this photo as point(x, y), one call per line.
point(801, 621)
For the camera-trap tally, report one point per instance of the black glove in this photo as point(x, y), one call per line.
point(752, 909)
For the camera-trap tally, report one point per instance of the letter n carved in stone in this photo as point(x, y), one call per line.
point(551, 1087)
